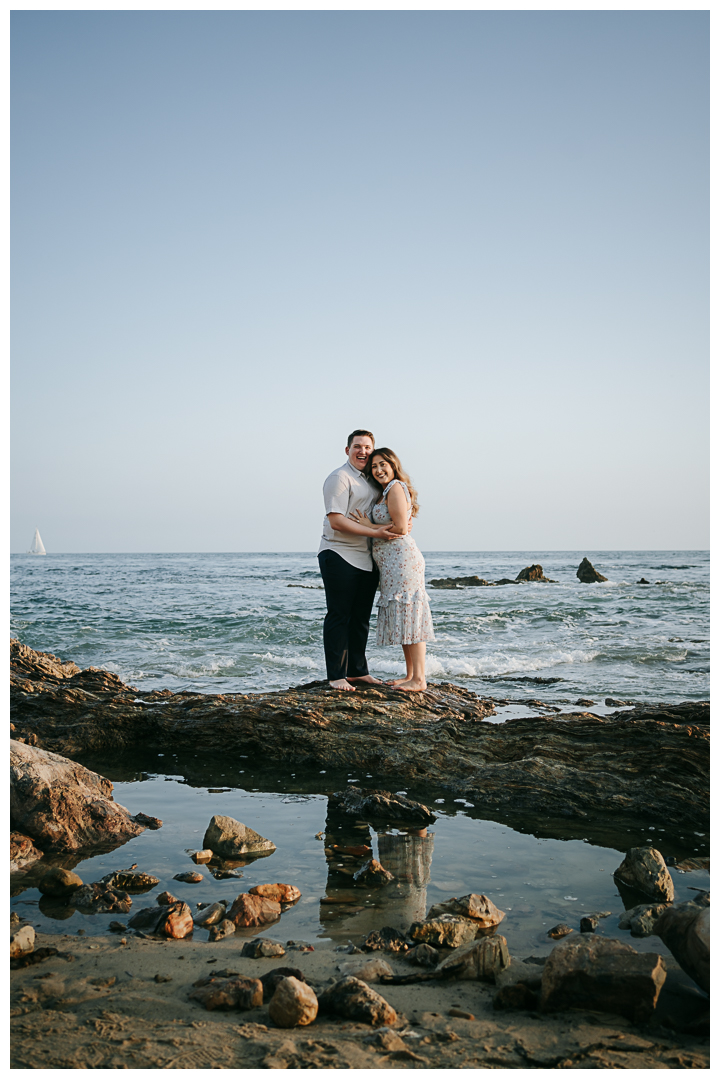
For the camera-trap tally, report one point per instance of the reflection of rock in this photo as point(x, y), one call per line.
point(603, 974)
point(644, 870)
point(373, 873)
point(228, 837)
point(22, 852)
point(685, 930)
point(381, 806)
point(355, 1000)
point(587, 573)
point(62, 805)
point(475, 906)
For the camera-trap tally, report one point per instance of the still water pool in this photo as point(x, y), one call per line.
point(539, 873)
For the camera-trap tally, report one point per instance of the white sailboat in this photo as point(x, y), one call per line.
point(38, 547)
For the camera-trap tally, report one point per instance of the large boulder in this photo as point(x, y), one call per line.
point(643, 869)
point(62, 805)
point(685, 930)
point(587, 573)
point(475, 906)
point(228, 837)
point(603, 974)
point(293, 1004)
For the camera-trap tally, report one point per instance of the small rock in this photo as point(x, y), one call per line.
point(14, 919)
point(293, 1004)
point(202, 856)
point(388, 1041)
point(221, 930)
point(373, 873)
point(59, 882)
point(262, 947)
point(587, 573)
point(166, 898)
point(106, 983)
point(685, 930)
point(249, 910)
point(237, 993)
point(604, 974)
point(461, 1014)
point(228, 837)
point(210, 915)
point(117, 927)
point(280, 893)
point(368, 970)
point(176, 922)
point(136, 881)
point(585, 702)
point(100, 899)
point(191, 877)
point(449, 930)
point(163, 978)
point(147, 821)
point(534, 573)
point(642, 581)
point(616, 703)
point(22, 851)
point(456, 582)
point(640, 920)
point(588, 924)
point(475, 906)
point(483, 960)
point(423, 956)
point(644, 870)
point(272, 979)
point(561, 930)
point(22, 942)
point(387, 939)
point(355, 1000)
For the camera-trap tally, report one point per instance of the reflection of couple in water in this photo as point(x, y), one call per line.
point(369, 506)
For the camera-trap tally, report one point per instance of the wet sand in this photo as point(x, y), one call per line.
point(104, 1009)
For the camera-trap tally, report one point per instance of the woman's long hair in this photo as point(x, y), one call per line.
point(394, 461)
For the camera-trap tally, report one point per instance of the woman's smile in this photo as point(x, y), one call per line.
point(382, 471)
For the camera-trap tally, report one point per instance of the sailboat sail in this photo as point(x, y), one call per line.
point(37, 545)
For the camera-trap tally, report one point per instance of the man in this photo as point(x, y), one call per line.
point(348, 571)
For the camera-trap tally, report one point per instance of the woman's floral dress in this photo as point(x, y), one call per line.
point(403, 611)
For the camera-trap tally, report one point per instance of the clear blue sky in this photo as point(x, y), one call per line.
point(238, 235)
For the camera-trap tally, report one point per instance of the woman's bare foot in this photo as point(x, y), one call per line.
point(341, 684)
point(413, 684)
point(364, 678)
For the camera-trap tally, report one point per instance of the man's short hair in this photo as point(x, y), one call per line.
point(360, 431)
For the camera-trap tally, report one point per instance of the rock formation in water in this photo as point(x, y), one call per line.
point(534, 573)
point(587, 573)
point(650, 761)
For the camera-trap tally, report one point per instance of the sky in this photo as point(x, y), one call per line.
point(237, 236)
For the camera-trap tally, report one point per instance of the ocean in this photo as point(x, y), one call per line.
point(247, 623)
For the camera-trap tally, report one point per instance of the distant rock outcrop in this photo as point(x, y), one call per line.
point(534, 573)
point(457, 582)
point(587, 573)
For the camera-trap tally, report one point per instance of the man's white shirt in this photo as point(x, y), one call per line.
point(345, 490)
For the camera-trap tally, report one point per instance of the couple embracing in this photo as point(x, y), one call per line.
point(369, 506)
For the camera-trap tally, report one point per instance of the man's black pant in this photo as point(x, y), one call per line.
point(349, 595)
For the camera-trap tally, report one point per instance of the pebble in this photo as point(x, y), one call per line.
point(191, 877)
point(461, 1014)
point(163, 978)
point(561, 930)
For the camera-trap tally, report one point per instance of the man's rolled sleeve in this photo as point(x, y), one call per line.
point(336, 493)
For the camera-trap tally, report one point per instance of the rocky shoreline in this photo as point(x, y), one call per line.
point(441, 992)
point(646, 763)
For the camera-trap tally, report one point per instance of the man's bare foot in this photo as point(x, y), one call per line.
point(364, 678)
point(341, 684)
point(414, 685)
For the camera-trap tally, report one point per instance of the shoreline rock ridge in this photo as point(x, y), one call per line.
point(650, 761)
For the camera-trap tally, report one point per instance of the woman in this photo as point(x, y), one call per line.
point(403, 610)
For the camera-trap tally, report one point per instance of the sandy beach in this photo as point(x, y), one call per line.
point(118, 1005)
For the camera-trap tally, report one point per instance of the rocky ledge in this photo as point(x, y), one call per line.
point(649, 762)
